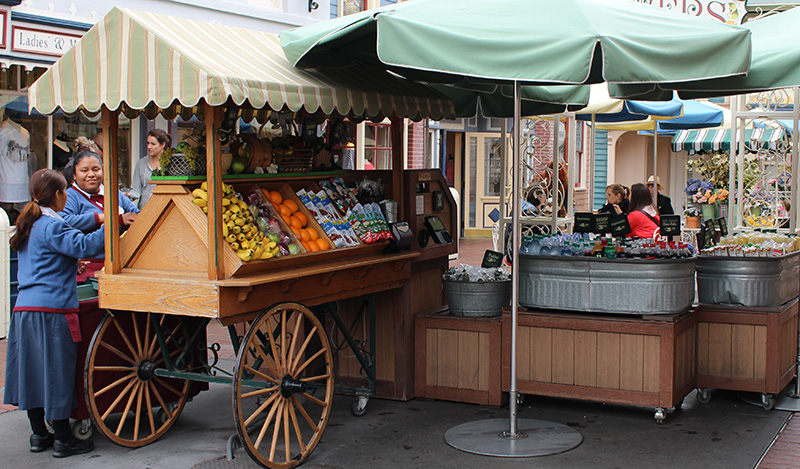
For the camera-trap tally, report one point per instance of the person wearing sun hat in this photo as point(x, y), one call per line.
point(664, 202)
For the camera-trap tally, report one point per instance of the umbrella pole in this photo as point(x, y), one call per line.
point(655, 167)
point(497, 437)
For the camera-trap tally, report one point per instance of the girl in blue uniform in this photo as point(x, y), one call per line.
point(42, 348)
point(84, 208)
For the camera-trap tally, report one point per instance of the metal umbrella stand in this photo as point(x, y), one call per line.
point(514, 438)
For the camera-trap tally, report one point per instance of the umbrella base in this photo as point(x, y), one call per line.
point(534, 438)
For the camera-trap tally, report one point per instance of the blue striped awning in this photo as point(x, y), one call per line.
point(720, 139)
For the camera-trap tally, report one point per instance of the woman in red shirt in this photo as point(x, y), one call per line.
point(643, 217)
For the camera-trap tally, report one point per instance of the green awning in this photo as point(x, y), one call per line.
point(720, 139)
point(133, 61)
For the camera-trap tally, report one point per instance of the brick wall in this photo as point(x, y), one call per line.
point(416, 145)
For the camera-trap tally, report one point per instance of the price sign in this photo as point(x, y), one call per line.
point(492, 259)
point(701, 237)
point(670, 225)
point(601, 223)
point(619, 225)
point(723, 226)
point(584, 223)
point(710, 228)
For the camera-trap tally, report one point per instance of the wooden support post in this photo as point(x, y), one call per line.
point(398, 168)
point(213, 119)
point(110, 123)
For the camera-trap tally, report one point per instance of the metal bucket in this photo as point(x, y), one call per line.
point(477, 299)
point(623, 286)
point(389, 209)
point(748, 281)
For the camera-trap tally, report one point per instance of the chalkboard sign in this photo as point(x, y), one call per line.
point(670, 225)
point(601, 223)
point(584, 223)
point(723, 226)
point(619, 225)
point(710, 228)
point(701, 237)
point(492, 259)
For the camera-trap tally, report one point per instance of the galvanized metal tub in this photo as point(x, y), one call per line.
point(622, 286)
point(477, 299)
point(748, 281)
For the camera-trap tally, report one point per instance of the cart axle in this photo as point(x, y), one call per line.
point(147, 370)
point(291, 386)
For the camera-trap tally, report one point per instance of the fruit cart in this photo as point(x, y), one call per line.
point(177, 268)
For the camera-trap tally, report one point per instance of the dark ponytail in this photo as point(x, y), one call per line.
point(44, 185)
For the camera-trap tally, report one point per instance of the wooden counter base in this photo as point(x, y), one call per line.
point(746, 348)
point(455, 359)
point(645, 360)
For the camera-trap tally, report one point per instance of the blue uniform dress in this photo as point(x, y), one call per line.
point(82, 210)
point(42, 350)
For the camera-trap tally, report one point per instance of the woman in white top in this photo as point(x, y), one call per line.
point(141, 189)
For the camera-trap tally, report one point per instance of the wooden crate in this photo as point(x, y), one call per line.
point(746, 348)
point(456, 359)
point(645, 360)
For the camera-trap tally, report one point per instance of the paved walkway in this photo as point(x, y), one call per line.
point(783, 453)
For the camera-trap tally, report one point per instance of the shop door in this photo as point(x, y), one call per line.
point(481, 183)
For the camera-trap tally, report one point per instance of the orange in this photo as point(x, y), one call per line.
point(312, 246)
point(285, 211)
point(303, 218)
point(275, 197)
point(312, 234)
point(305, 245)
point(287, 219)
point(291, 204)
point(295, 222)
point(322, 244)
point(303, 234)
point(295, 230)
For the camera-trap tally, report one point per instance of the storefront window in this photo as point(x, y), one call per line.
point(353, 6)
point(491, 184)
point(377, 146)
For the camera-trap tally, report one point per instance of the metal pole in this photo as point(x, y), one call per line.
point(512, 391)
point(655, 167)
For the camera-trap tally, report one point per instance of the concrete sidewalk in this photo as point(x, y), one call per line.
point(725, 433)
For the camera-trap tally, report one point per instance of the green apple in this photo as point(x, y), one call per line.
point(237, 166)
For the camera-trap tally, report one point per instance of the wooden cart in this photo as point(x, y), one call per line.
point(173, 271)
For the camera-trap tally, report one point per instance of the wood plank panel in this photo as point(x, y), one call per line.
point(185, 296)
point(760, 353)
point(631, 352)
point(432, 357)
point(702, 348)
point(542, 354)
point(485, 362)
point(788, 343)
point(524, 358)
point(174, 246)
point(586, 358)
point(448, 358)
point(719, 349)
point(742, 350)
point(563, 356)
point(468, 349)
point(684, 360)
point(608, 360)
point(651, 363)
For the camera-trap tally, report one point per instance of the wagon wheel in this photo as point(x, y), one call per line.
point(123, 394)
point(283, 386)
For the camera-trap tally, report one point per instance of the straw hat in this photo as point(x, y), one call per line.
point(651, 179)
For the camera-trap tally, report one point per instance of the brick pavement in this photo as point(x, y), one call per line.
point(784, 452)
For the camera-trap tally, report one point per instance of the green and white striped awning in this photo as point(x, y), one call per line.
point(137, 61)
point(720, 139)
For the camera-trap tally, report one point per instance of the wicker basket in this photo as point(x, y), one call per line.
point(293, 161)
point(179, 165)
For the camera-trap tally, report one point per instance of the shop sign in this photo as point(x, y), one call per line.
point(728, 11)
point(35, 41)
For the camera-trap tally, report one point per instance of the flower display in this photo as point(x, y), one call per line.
point(691, 212)
point(713, 168)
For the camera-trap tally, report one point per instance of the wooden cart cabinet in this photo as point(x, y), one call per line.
point(746, 348)
point(645, 361)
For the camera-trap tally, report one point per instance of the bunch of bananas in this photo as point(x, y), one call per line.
point(238, 225)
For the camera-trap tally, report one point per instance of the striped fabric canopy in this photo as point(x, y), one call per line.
point(720, 139)
point(133, 61)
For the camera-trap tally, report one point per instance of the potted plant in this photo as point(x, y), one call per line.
point(692, 215)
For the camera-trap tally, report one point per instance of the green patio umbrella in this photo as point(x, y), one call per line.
point(530, 41)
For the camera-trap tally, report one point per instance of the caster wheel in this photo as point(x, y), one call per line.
point(359, 407)
point(82, 429)
point(703, 396)
point(768, 401)
point(660, 416)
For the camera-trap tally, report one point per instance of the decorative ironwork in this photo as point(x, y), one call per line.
point(770, 101)
point(312, 5)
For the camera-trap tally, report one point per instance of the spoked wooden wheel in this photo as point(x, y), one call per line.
point(128, 403)
point(283, 386)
